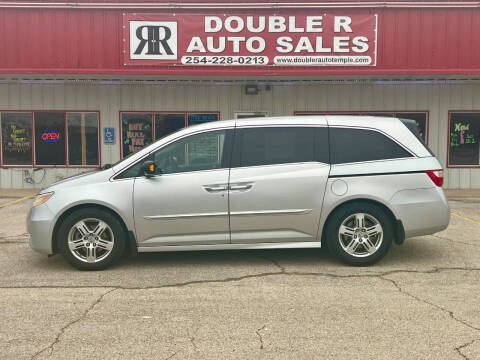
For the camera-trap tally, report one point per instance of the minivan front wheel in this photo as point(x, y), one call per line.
point(91, 239)
point(359, 233)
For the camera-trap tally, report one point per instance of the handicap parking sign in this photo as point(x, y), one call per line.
point(109, 135)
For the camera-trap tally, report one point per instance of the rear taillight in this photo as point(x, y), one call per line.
point(436, 176)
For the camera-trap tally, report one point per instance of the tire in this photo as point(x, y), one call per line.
point(91, 239)
point(354, 244)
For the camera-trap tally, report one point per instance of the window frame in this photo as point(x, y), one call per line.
point(394, 112)
point(315, 160)
point(34, 164)
point(153, 113)
point(449, 166)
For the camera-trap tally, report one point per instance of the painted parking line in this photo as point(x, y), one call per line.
point(16, 201)
point(464, 217)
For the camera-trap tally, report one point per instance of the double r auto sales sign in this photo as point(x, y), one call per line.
point(303, 38)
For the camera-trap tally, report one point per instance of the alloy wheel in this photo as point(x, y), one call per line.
point(360, 235)
point(90, 240)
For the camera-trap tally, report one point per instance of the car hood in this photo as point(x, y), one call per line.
point(84, 178)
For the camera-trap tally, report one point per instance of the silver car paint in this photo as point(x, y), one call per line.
point(254, 221)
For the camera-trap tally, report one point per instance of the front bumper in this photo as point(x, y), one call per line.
point(40, 222)
point(422, 211)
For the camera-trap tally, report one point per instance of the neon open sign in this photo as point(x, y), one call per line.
point(50, 136)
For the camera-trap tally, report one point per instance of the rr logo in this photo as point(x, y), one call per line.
point(156, 40)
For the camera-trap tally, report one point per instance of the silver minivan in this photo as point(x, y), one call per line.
point(353, 184)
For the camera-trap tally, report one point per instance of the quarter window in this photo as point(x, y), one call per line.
point(355, 145)
point(420, 117)
point(279, 145)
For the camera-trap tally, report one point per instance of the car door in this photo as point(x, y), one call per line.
point(187, 202)
point(277, 183)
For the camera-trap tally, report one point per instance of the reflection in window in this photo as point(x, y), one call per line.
point(197, 152)
point(82, 139)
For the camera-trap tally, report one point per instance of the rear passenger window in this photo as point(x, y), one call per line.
point(279, 145)
point(354, 145)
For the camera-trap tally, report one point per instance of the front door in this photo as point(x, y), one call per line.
point(187, 204)
point(277, 183)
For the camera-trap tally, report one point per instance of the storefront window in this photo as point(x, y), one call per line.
point(166, 124)
point(83, 139)
point(49, 138)
point(16, 138)
point(137, 126)
point(420, 117)
point(464, 135)
point(136, 132)
point(55, 133)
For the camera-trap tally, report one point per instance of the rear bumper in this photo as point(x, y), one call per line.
point(40, 222)
point(422, 211)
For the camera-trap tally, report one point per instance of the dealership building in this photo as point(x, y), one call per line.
point(83, 84)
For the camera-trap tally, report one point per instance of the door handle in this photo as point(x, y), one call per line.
point(234, 187)
point(215, 188)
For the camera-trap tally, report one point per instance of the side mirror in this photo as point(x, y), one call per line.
point(149, 168)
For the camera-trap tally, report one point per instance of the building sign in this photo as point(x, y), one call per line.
point(308, 38)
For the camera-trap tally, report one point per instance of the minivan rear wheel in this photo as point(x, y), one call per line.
point(91, 239)
point(359, 233)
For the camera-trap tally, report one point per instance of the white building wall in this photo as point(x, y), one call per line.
point(227, 98)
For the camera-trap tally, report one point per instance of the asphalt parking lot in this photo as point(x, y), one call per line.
point(420, 302)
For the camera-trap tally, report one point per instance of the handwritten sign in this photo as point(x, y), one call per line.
point(17, 138)
point(464, 137)
point(136, 132)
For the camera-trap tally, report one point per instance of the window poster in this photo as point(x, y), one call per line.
point(198, 118)
point(16, 138)
point(464, 133)
point(136, 132)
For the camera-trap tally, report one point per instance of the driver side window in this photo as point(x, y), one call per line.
point(194, 153)
point(197, 152)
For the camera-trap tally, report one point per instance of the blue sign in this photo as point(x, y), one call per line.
point(109, 136)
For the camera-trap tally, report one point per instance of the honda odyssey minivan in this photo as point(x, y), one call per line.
point(353, 184)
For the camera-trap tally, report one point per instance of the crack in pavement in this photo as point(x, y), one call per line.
point(260, 335)
point(459, 348)
point(282, 272)
point(453, 241)
point(50, 347)
point(246, 277)
point(449, 312)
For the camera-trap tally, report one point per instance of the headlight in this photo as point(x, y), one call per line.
point(40, 199)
